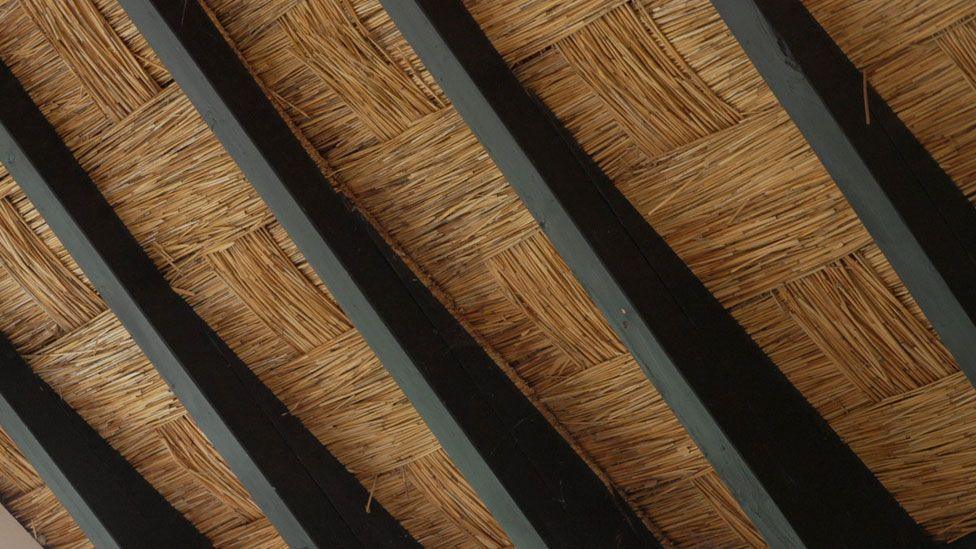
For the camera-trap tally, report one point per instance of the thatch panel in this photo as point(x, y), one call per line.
point(928, 88)
point(875, 341)
point(58, 291)
point(532, 276)
point(551, 78)
point(21, 319)
point(339, 390)
point(42, 515)
point(246, 21)
point(799, 358)
point(521, 28)
point(191, 449)
point(319, 112)
point(879, 265)
point(252, 535)
point(730, 216)
point(920, 445)
point(61, 96)
point(622, 421)
point(46, 237)
point(436, 192)
point(17, 475)
point(101, 373)
point(608, 406)
point(874, 31)
point(171, 182)
point(292, 307)
point(747, 208)
point(123, 27)
point(345, 397)
point(701, 39)
point(959, 43)
point(687, 517)
point(86, 42)
point(652, 93)
point(455, 499)
point(727, 508)
point(430, 526)
point(331, 40)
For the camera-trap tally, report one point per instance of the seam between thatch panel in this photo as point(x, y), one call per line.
point(65, 298)
point(89, 45)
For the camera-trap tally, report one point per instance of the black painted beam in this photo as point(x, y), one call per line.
point(533, 482)
point(109, 500)
point(792, 474)
point(919, 218)
point(304, 491)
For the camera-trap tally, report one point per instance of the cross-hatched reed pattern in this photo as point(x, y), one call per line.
point(657, 91)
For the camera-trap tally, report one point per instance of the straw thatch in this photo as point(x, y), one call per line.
point(657, 91)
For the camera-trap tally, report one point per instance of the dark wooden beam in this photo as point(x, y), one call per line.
point(109, 500)
point(303, 490)
point(530, 478)
point(919, 218)
point(792, 474)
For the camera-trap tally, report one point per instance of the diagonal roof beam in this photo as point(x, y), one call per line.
point(530, 478)
point(109, 500)
point(919, 218)
point(304, 491)
point(792, 474)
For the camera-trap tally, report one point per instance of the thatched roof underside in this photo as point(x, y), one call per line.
point(661, 96)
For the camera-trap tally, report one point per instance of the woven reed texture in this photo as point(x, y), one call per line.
point(657, 91)
point(661, 96)
point(187, 204)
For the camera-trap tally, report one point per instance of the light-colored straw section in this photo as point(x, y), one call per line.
point(256, 269)
point(330, 39)
point(724, 504)
point(16, 474)
point(47, 520)
point(428, 473)
point(553, 299)
point(875, 341)
point(660, 102)
point(83, 38)
point(959, 43)
point(191, 449)
point(62, 295)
